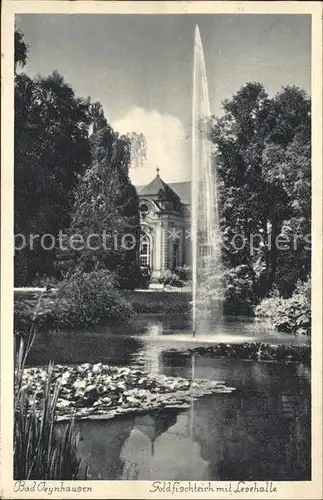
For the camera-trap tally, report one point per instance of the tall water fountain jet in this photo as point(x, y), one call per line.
point(205, 228)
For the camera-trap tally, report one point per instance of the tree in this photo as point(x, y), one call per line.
point(286, 162)
point(97, 115)
point(21, 50)
point(291, 168)
point(106, 211)
point(51, 150)
point(263, 159)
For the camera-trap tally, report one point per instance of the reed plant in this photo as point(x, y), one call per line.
point(40, 450)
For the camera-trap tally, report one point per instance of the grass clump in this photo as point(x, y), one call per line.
point(40, 451)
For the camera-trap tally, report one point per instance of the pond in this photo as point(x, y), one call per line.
point(142, 340)
point(262, 431)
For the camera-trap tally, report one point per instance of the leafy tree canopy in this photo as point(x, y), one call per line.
point(263, 161)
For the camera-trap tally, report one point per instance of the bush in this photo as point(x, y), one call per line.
point(82, 299)
point(238, 286)
point(130, 276)
point(160, 302)
point(170, 278)
point(89, 299)
point(268, 306)
point(234, 287)
point(158, 307)
point(291, 315)
point(45, 282)
point(184, 273)
point(40, 452)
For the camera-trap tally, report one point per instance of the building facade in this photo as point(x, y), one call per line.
point(165, 225)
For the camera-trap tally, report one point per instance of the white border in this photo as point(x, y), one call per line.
point(140, 489)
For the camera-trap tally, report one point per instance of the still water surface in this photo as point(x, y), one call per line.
point(259, 432)
point(144, 338)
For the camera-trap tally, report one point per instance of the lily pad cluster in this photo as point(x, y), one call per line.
point(256, 351)
point(103, 391)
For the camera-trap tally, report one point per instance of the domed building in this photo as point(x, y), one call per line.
point(165, 225)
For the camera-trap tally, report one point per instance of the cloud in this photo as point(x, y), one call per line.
point(167, 145)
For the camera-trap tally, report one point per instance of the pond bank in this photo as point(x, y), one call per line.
point(27, 300)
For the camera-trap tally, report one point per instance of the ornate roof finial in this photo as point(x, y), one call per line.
point(157, 170)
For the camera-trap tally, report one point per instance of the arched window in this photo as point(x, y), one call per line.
point(144, 208)
point(145, 248)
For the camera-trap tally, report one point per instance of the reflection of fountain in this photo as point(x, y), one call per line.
point(138, 452)
point(153, 425)
point(205, 220)
point(151, 359)
point(152, 351)
point(192, 401)
point(155, 329)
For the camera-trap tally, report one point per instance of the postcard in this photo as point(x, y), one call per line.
point(161, 250)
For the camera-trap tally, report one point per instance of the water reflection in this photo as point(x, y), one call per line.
point(84, 347)
point(144, 338)
point(260, 432)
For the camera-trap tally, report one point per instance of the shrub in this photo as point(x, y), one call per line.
point(170, 278)
point(40, 452)
point(238, 286)
point(291, 315)
point(144, 280)
point(174, 307)
point(184, 272)
point(269, 305)
point(45, 281)
point(130, 276)
point(89, 299)
point(81, 299)
point(234, 287)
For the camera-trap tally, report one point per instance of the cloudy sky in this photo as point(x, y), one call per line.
point(140, 68)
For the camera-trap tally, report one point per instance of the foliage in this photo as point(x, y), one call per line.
point(78, 182)
point(263, 154)
point(238, 286)
point(97, 115)
point(106, 210)
point(162, 307)
point(51, 150)
point(234, 286)
point(21, 50)
point(89, 299)
point(145, 278)
point(172, 279)
point(184, 272)
point(40, 452)
point(111, 391)
point(160, 302)
point(256, 351)
point(80, 300)
point(45, 281)
point(291, 315)
point(269, 305)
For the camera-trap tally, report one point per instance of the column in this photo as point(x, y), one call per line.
point(166, 246)
point(158, 249)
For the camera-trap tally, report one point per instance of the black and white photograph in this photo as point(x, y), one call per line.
point(162, 259)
